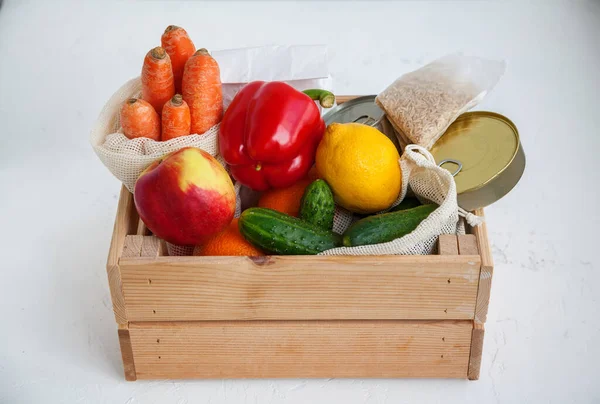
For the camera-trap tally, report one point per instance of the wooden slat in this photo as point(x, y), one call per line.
point(476, 350)
point(447, 244)
point(301, 349)
point(300, 287)
point(163, 250)
point(142, 230)
point(132, 215)
point(132, 246)
point(467, 245)
point(123, 226)
point(340, 99)
point(151, 246)
point(126, 352)
point(487, 270)
point(142, 246)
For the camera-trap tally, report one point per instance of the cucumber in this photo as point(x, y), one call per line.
point(317, 206)
point(386, 227)
point(407, 203)
point(278, 233)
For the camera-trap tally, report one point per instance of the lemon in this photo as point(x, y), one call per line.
point(361, 166)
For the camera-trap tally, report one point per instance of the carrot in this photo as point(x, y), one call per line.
point(175, 118)
point(157, 78)
point(139, 119)
point(201, 87)
point(180, 48)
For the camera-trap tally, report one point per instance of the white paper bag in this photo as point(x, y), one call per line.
point(301, 66)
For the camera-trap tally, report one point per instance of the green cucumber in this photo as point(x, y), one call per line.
point(278, 233)
point(317, 206)
point(407, 203)
point(386, 227)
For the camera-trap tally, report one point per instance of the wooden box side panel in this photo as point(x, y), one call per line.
point(476, 350)
point(300, 288)
point(126, 222)
point(127, 352)
point(487, 270)
point(467, 244)
point(301, 349)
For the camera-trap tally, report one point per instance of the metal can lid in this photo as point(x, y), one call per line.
point(363, 110)
point(359, 110)
point(480, 146)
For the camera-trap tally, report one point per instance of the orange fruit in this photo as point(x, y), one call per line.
point(285, 200)
point(228, 242)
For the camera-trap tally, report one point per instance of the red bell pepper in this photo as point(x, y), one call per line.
point(270, 133)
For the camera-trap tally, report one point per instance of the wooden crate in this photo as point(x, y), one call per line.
point(297, 316)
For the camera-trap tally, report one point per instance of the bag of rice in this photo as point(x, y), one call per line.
point(423, 103)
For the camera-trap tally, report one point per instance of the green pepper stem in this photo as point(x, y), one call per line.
point(326, 98)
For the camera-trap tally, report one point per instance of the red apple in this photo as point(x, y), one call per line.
point(186, 197)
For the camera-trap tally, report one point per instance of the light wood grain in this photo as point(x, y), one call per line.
point(124, 225)
point(142, 230)
point(163, 250)
point(142, 246)
point(448, 244)
point(476, 350)
point(151, 247)
point(487, 270)
point(467, 244)
point(300, 288)
point(132, 246)
point(301, 349)
point(340, 99)
point(126, 352)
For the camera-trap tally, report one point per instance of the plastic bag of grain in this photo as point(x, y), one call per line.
point(423, 103)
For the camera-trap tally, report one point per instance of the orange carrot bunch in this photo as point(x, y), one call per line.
point(181, 91)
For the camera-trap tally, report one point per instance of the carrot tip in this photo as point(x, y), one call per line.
point(177, 100)
point(131, 101)
point(171, 28)
point(158, 53)
point(202, 51)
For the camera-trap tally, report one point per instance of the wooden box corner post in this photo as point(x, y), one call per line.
point(473, 244)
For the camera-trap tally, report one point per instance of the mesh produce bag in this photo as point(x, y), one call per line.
point(429, 183)
point(127, 158)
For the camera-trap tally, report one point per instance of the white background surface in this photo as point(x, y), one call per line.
point(60, 61)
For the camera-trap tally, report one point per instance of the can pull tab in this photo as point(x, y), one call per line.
point(458, 163)
point(367, 120)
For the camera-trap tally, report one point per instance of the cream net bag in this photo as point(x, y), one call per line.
point(429, 183)
point(127, 158)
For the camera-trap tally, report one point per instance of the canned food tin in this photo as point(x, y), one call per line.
point(483, 151)
point(362, 110)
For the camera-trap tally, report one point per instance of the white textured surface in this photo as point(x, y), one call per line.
point(62, 60)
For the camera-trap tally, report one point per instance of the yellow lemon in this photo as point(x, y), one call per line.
point(361, 166)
